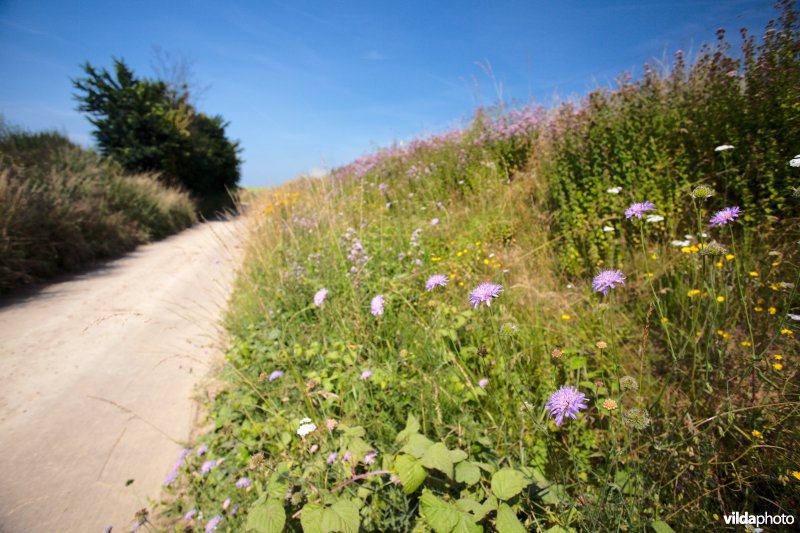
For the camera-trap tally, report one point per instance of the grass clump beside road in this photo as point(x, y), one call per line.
point(492, 329)
point(63, 207)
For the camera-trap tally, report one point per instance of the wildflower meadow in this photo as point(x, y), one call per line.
point(576, 319)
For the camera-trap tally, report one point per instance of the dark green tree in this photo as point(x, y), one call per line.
point(149, 126)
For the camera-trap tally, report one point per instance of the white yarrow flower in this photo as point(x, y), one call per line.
point(653, 218)
point(723, 147)
point(306, 427)
point(681, 244)
point(614, 190)
point(607, 228)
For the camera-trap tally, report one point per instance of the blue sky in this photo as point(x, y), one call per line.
point(313, 85)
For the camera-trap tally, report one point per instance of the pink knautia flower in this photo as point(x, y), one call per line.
point(275, 375)
point(365, 375)
point(724, 216)
point(243, 483)
point(483, 382)
point(638, 209)
point(370, 457)
point(376, 306)
point(320, 297)
point(566, 401)
point(606, 279)
point(484, 292)
point(213, 523)
point(332, 458)
point(437, 280)
point(434, 221)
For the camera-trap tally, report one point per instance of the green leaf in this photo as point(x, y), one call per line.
point(577, 362)
point(507, 521)
point(457, 455)
point(410, 472)
point(278, 482)
point(266, 517)
point(417, 445)
point(468, 473)
point(445, 517)
point(355, 431)
point(438, 456)
point(554, 494)
point(661, 527)
point(341, 516)
point(487, 507)
point(507, 483)
point(412, 427)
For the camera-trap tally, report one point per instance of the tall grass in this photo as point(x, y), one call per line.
point(688, 369)
point(63, 207)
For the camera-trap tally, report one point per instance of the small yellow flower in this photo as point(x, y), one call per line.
point(654, 257)
point(610, 404)
point(716, 516)
point(694, 249)
point(460, 283)
point(729, 257)
point(698, 334)
point(664, 320)
point(485, 261)
point(774, 286)
point(718, 264)
point(796, 475)
point(720, 299)
point(477, 243)
point(777, 366)
point(434, 259)
point(686, 250)
point(758, 309)
point(452, 276)
point(720, 332)
point(778, 357)
point(776, 263)
point(647, 275)
point(726, 336)
point(772, 310)
point(787, 332)
point(566, 317)
point(757, 434)
point(692, 292)
point(459, 254)
point(746, 344)
point(753, 274)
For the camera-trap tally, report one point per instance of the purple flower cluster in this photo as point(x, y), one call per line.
point(437, 280)
point(606, 279)
point(275, 375)
point(724, 216)
point(208, 466)
point(376, 306)
point(243, 483)
point(213, 523)
point(173, 474)
point(484, 292)
point(638, 209)
point(566, 401)
point(319, 298)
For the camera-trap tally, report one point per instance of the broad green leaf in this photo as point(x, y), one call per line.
point(266, 517)
point(445, 517)
point(507, 521)
point(661, 527)
point(412, 426)
point(410, 472)
point(468, 505)
point(577, 362)
point(468, 473)
point(438, 456)
point(311, 518)
point(355, 431)
point(554, 494)
point(278, 482)
point(341, 516)
point(417, 445)
point(457, 455)
point(487, 507)
point(507, 483)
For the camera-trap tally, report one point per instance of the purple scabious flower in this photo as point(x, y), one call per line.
point(637, 209)
point(370, 457)
point(437, 280)
point(208, 466)
point(724, 216)
point(226, 504)
point(243, 483)
point(188, 516)
point(320, 297)
point(566, 401)
point(434, 221)
point(376, 306)
point(213, 523)
point(275, 375)
point(606, 279)
point(332, 458)
point(483, 382)
point(365, 375)
point(346, 457)
point(484, 292)
point(202, 449)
